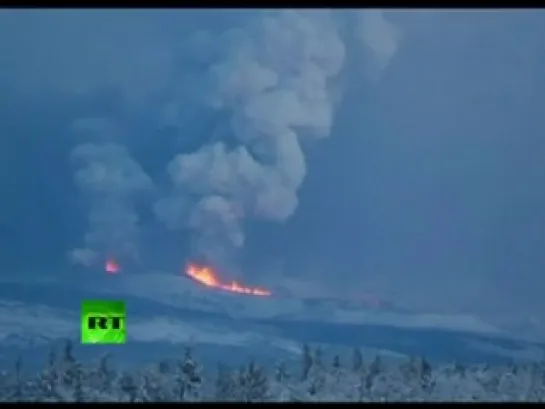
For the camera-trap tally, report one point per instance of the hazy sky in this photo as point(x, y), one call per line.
point(396, 153)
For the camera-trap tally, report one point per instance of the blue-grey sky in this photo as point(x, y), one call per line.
point(422, 134)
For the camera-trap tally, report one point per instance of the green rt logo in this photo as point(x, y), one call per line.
point(103, 322)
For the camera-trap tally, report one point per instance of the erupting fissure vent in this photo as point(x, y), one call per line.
point(111, 266)
point(207, 277)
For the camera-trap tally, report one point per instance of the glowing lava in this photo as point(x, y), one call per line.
point(207, 277)
point(111, 266)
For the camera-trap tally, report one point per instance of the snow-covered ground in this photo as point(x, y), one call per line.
point(167, 313)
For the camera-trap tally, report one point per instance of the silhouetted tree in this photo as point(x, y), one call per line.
point(357, 360)
point(307, 362)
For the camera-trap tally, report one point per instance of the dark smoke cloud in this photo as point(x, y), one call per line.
point(458, 110)
point(109, 179)
point(275, 80)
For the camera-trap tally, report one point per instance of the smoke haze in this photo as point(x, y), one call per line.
point(392, 153)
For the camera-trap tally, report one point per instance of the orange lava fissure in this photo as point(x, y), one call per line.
point(207, 277)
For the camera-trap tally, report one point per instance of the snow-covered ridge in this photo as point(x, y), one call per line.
point(177, 311)
point(31, 325)
point(179, 292)
point(184, 293)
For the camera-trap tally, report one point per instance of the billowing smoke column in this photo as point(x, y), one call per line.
point(276, 83)
point(274, 80)
point(109, 179)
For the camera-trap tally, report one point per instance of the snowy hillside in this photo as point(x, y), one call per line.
point(165, 312)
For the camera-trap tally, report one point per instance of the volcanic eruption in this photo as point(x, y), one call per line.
point(206, 276)
point(111, 266)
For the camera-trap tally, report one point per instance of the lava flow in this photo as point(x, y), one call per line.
point(206, 276)
point(111, 266)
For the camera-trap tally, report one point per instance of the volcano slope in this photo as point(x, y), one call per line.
point(234, 327)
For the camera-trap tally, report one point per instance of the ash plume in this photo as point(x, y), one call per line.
point(109, 180)
point(379, 39)
point(276, 81)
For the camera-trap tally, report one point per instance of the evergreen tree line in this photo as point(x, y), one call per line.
point(314, 378)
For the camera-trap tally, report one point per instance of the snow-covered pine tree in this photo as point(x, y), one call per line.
point(427, 380)
point(372, 373)
point(336, 368)
point(409, 379)
point(281, 372)
point(460, 369)
point(169, 378)
point(489, 380)
point(541, 370)
point(307, 362)
point(253, 383)
point(281, 389)
point(225, 385)
point(152, 390)
point(104, 376)
point(357, 360)
point(128, 387)
point(319, 357)
point(17, 387)
point(515, 383)
point(409, 369)
point(47, 379)
point(68, 365)
point(4, 385)
point(534, 386)
point(336, 363)
point(78, 395)
point(361, 388)
point(317, 376)
point(189, 377)
point(163, 367)
point(71, 375)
